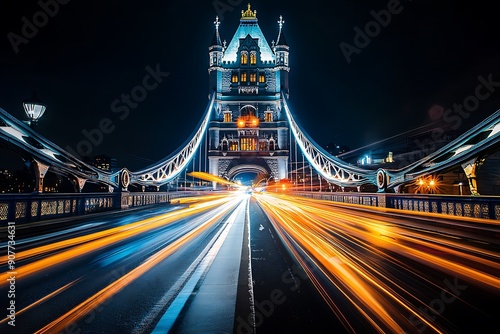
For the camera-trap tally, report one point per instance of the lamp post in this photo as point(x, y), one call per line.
point(34, 109)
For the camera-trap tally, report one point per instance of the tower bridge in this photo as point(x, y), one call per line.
point(353, 262)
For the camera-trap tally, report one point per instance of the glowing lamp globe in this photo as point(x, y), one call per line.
point(34, 109)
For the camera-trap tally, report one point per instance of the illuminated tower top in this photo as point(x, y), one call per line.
point(248, 26)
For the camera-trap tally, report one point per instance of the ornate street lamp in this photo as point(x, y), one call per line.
point(34, 109)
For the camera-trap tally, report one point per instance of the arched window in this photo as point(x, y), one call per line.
point(272, 144)
point(234, 77)
point(253, 58)
point(224, 144)
point(244, 58)
point(262, 78)
point(248, 110)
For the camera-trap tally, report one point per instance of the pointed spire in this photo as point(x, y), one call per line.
point(281, 36)
point(216, 40)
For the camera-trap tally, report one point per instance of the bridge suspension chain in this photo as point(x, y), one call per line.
point(331, 168)
point(465, 151)
point(47, 154)
point(478, 142)
point(169, 168)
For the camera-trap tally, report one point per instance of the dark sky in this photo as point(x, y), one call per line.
point(88, 53)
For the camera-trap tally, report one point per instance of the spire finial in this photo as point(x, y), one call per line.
point(280, 22)
point(217, 36)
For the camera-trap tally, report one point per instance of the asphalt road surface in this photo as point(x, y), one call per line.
point(259, 263)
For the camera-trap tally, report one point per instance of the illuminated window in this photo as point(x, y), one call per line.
point(243, 76)
point(253, 77)
point(233, 146)
point(234, 78)
point(262, 78)
point(262, 146)
point(253, 58)
point(269, 116)
point(227, 116)
point(248, 144)
point(244, 58)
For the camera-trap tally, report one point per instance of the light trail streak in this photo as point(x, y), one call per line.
point(343, 245)
point(41, 300)
point(214, 178)
point(106, 293)
point(79, 246)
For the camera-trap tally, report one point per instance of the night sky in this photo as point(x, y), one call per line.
point(428, 56)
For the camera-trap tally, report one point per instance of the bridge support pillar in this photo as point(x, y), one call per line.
point(282, 168)
point(213, 169)
point(470, 169)
point(81, 183)
point(40, 171)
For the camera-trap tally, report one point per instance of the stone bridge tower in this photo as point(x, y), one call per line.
point(248, 131)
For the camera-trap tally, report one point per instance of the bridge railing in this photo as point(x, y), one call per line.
point(36, 207)
point(487, 207)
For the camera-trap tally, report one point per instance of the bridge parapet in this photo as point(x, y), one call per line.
point(37, 207)
point(34, 207)
point(487, 207)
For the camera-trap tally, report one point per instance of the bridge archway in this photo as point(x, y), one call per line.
point(247, 169)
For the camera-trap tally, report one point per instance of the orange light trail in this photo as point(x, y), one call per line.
point(340, 243)
point(41, 300)
point(104, 294)
point(79, 246)
point(209, 177)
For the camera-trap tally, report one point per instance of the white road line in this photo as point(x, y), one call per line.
point(250, 277)
point(168, 319)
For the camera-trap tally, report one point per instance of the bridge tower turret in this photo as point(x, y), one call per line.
point(215, 52)
point(281, 50)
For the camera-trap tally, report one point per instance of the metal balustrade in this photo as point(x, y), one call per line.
point(37, 207)
point(487, 207)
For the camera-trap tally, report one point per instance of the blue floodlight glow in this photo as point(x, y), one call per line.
point(252, 29)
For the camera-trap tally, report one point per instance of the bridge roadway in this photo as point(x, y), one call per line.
point(261, 263)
